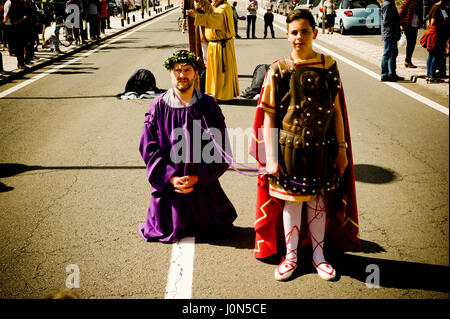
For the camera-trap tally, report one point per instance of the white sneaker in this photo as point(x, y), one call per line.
point(285, 269)
point(325, 271)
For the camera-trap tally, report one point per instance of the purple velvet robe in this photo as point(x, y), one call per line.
point(206, 210)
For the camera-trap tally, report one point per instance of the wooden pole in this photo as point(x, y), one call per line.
point(191, 29)
point(194, 38)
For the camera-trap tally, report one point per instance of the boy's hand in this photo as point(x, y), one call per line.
point(341, 161)
point(273, 167)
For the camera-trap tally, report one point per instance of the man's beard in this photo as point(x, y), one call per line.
point(185, 86)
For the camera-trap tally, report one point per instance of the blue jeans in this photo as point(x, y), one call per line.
point(436, 62)
point(431, 64)
point(251, 20)
point(388, 61)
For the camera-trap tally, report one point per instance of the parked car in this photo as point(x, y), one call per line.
point(137, 3)
point(283, 6)
point(357, 14)
point(304, 4)
point(351, 14)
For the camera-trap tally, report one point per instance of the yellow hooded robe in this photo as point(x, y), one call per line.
point(221, 69)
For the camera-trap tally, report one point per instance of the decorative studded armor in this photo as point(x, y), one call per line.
point(304, 114)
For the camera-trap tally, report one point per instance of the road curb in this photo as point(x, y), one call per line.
point(9, 76)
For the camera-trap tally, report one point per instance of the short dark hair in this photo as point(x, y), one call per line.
point(300, 14)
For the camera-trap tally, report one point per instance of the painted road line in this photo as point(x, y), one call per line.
point(398, 87)
point(179, 280)
point(58, 67)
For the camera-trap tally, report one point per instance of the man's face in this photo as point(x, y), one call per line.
point(301, 35)
point(183, 76)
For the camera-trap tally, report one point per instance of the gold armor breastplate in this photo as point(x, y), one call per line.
point(307, 145)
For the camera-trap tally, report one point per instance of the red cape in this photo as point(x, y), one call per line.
point(342, 214)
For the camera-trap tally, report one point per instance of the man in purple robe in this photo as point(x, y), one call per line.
point(183, 143)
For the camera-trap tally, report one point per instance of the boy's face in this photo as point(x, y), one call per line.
point(301, 35)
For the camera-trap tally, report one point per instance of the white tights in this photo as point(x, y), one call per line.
point(292, 218)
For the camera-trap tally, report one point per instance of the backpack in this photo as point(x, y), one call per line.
point(258, 78)
point(142, 84)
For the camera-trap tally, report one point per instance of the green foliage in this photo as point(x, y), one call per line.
point(184, 57)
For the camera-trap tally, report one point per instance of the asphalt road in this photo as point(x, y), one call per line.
point(74, 185)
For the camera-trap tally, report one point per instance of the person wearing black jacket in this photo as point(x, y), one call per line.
point(268, 22)
point(18, 17)
point(390, 34)
point(29, 29)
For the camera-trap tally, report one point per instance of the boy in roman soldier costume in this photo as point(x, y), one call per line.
point(302, 138)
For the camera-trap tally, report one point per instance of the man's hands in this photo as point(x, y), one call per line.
point(184, 184)
point(191, 13)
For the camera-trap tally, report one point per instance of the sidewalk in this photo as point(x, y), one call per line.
point(44, 57)
point(373, 54)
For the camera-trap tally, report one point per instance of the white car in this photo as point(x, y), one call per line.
point(350, 14)
point(304, 4)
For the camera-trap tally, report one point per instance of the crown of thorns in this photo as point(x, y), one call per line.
point(184, 57)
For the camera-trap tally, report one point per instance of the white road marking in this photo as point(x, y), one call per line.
point(58, 67)
point(179, 281)
point(398, 87)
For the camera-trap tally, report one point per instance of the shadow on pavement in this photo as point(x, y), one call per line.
point(240, 238)
point(391, 273)
point(374, 174)
point(394, 274)
point(239, 102)
point(12, 169)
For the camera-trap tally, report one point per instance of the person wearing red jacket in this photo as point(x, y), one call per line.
point(411, 19)
point(438, 35)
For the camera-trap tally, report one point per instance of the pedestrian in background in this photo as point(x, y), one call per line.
point(3, 40)
point(221, 69)
point(411, 19)
point(438, 33)
point(7, 25)
point(29, 33)
point(330, 15)
point(268, 22)
point(184, 6)
point(235, 19)
point(252, 8)
point(17, 15)
point(93, 18)
point(427, 4)
point(186, 196)
point(103, 15)
point(77, 21)
point(390, 34)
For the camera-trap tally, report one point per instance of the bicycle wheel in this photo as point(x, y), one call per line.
point(65, 36)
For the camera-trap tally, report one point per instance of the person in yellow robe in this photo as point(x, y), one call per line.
point(221, 68)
